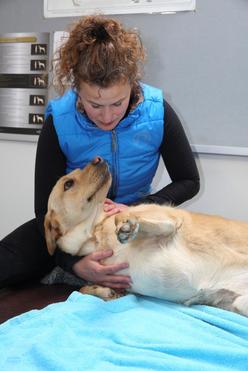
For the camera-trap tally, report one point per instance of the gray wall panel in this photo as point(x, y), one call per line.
point(200, 60)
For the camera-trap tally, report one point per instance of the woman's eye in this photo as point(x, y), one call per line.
point(95, 106)
point(68, 184)
point(118, 104)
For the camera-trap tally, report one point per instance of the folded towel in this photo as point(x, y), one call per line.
point(131, 333)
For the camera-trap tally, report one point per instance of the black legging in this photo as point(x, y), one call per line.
point(23, 255)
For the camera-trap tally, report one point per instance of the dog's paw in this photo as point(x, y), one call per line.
point(104, 293)
point(126, 229)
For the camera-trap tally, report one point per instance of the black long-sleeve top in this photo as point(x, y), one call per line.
point(175, 151)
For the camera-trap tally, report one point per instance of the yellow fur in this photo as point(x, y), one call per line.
point(173, 254)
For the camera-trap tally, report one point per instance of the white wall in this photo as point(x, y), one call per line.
point(17, 184)
point(223, 190)
point(224, 182)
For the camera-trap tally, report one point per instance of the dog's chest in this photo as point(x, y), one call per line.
point(154, 272)
point(166, 271)
point(105, 236)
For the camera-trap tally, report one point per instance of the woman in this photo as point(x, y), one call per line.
point(108, 112)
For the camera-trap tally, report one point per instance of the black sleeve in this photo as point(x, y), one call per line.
point(50, 165)
point(179, 162)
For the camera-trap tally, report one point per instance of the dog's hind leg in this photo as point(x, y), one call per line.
point(241, 304)
point(221, 298)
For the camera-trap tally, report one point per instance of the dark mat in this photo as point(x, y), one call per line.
point(20, 299)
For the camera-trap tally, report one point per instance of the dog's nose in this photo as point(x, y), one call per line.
point(97, 160)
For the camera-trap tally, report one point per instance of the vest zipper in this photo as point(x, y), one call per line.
point(114, 165)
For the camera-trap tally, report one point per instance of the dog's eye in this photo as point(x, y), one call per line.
point(68, 184)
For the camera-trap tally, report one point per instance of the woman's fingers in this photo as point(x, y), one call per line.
point(110, 207)
point(113, 211)
point(91, 269)
point(108, 201)
point(114, 268)
point(117, 281)
point(102, 254)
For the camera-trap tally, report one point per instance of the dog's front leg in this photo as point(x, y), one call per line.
point(130, 226)
point(105, 293)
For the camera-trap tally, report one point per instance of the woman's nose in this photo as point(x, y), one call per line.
point(106, 115)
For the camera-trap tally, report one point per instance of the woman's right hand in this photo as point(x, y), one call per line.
point(91, 269)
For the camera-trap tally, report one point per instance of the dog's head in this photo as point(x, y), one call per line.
point(75, 198)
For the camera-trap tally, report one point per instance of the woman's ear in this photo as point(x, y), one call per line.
point(52, 231)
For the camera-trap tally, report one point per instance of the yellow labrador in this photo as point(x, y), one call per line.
point(173, 254)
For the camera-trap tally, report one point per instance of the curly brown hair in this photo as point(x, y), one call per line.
point(99, 51)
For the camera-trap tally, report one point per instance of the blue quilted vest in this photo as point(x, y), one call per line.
point(131, 149)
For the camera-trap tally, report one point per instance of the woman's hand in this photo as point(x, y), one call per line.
point(110, 207)
point(91, 269)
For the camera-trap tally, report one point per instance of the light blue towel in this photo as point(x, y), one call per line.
point(131, 333)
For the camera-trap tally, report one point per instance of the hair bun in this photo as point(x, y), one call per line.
point(99, 32)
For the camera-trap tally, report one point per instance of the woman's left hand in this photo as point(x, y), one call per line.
point(110, 207)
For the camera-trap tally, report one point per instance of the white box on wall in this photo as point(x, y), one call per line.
point(72, 8)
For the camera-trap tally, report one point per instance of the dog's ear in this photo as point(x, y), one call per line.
point(52, 231)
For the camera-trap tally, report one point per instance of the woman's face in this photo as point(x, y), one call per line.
point(105, 106)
